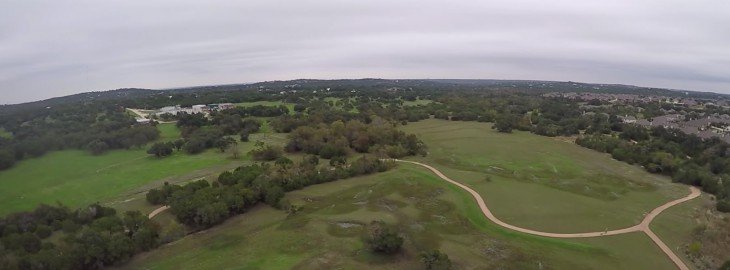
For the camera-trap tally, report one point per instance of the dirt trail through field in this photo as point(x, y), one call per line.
point(157, 211)
point(641, 227)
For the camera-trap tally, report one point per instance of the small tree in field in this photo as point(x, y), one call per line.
point(224, 142)
point(233, 151)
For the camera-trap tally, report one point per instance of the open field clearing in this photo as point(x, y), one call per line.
point(290, 106)
point(430, 213)
point(561, 187)
point(417, 102)
point(76, 178)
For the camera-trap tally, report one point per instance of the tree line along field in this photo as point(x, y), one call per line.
point(429, 212)
point(76, 178)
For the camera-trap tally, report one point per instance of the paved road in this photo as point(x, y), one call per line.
point(641, 227)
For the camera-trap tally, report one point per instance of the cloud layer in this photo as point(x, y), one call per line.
point(54, 48)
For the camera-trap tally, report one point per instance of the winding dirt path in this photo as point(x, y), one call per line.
point(157, 211)
point(641, 227)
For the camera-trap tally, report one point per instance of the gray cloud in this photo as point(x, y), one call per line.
point(53, 48)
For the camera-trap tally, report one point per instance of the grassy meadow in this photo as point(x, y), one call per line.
point(430, 213)
point(559, 186)
point(76, 178)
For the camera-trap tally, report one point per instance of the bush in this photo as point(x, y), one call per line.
point(7, 159)
point(43, 231)
point(161, 149)
point(382, 238)
point(97, 147)
point(723, 206)
point(194, 146)
point(266, 152)
point(725, 266)
point(435, 260)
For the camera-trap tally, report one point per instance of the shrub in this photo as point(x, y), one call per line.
point(266, 152)
point(723, 206)
point(382, 238)
point(43, 231)
point(435, 260)
point(161, 149)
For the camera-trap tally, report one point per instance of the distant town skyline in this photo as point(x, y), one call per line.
point(56, 48)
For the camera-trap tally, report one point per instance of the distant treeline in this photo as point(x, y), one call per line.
point(92, 128)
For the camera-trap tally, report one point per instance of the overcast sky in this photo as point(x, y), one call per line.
point(54, 48)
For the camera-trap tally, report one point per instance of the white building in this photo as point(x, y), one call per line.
point(199, 108)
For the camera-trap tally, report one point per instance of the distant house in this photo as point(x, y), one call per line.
point(226, 106)
point(143, 121)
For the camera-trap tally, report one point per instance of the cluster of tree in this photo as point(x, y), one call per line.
point(340, 138)
point(231, 124)
point(200, 134)
point(686, 158)
point(93, 237)
point(201, 205)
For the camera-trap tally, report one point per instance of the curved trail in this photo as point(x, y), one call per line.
point(157, 211)
point(641, 227)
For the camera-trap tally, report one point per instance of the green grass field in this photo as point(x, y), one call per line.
point(5, 134)
point(76, 178)
point(430, 213)
point(168, 131)
point(543, 183)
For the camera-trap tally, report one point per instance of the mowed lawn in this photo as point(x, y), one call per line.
point(76, 178)
point(429, 213)
point(543, 183)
